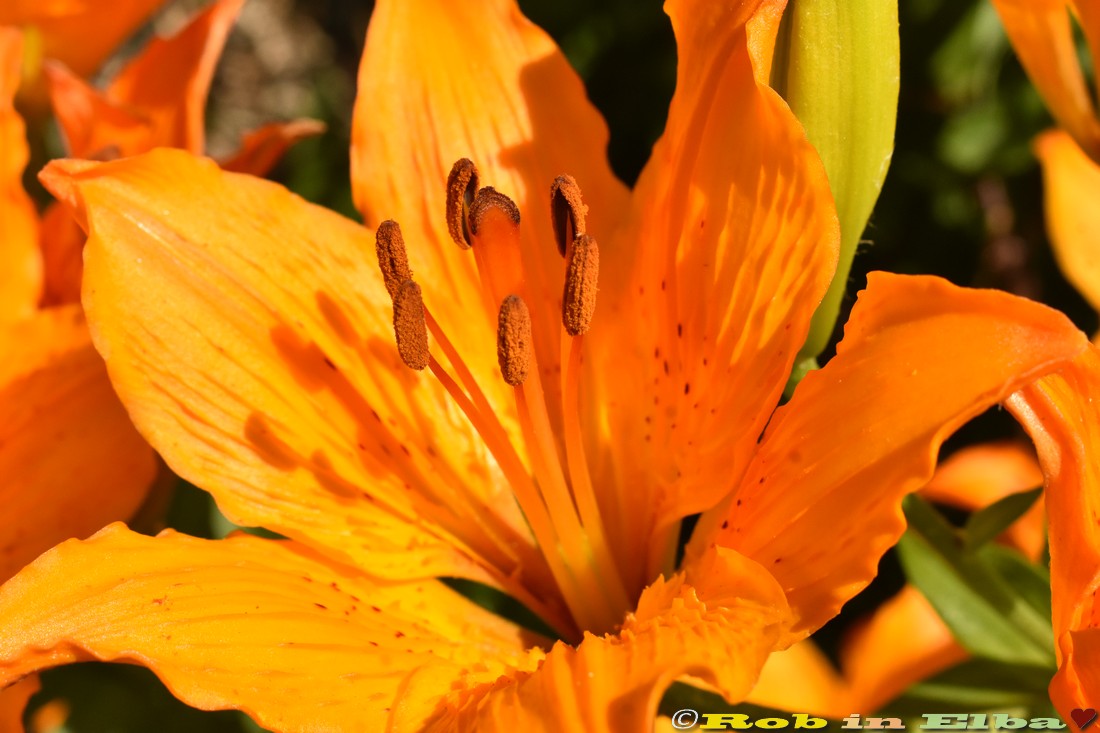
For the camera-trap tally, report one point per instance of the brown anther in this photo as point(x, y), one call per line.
point(566, 211)
point(488, 199)
point(462, 185)
point(581, 275)
point(409, 325)
point(393, 260)
point(514, 340)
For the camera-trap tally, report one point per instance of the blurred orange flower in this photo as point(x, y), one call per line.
point(157, 100)
point(252, 342)
point(1041, 32)
point(59, 417)
point(80, 33)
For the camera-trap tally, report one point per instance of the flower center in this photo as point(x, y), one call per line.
point(555, 492)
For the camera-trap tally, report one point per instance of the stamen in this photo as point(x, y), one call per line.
point(393, 260)
point(581, 275)
point(566, 211)
point(514, 340)
point(409, 326)
point(461, 189)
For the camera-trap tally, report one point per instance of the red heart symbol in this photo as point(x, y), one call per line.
point(1083, 718)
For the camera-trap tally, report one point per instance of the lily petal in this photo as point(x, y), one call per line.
point(257, 625)
point(158, 99)
point(802, 679)
point(61, 242)
point(731, 244)
point(71, 461)
point(78, 32)
point(94, 127)
point(1041, 33)
point(249, 335)
point(1060, 412)
point(13, 701)
point(977, 476)
point(20, 262)
point(919, 358)
point(920, 646)
point(717, 621)
point(262, 148)
point(1071, 183)
point(763, 28)
point(443, 80)
point(1087, 14)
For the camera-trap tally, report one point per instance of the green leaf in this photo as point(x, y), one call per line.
point(837, 63)
point(977, 684)
point(988, 523)
point(1030, 581)
point(986, 614)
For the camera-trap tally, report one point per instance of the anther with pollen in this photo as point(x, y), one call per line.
point(410, 326)
point(393, 260)
point(566, 211)
point(514, 340)
point(581, 275)
point(462, 184)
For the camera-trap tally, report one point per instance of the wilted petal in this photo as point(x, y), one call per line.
point(919, 358)
point(262, 626)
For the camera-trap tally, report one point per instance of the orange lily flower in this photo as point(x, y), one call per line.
point(252, 342)
point(1042, 35)
point(157, 100)
point(80, 33)
point(58, 413)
